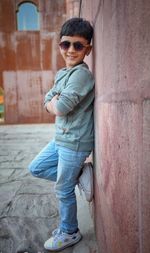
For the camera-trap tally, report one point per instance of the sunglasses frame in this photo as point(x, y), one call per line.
point(78, 49)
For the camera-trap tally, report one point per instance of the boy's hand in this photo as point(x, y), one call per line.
point(51, 106)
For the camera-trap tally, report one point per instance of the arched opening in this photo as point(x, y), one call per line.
point(28, 17)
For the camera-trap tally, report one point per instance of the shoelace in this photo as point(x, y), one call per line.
point(58, 235)
point(55, 231)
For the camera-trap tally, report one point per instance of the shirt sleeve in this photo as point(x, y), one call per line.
point(51, 93)
point(79, 85)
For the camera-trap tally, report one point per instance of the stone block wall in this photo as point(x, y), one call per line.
point(121, 65)
point(29, 59)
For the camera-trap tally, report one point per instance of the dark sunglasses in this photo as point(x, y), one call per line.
point(78, 46)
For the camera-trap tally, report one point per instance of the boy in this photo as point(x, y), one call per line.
point(71, 100)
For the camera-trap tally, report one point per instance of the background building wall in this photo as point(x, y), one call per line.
point(121, 64)
point(29, 60)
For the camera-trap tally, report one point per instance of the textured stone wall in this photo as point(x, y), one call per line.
point(121, 64)
point(72, 8)
point(29, 60)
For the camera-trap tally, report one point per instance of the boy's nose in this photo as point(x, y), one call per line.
point(71, 48)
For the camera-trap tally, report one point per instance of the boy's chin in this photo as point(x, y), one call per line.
point(72, 64)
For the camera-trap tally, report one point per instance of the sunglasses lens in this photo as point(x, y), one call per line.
point(78, 46)
point(64, 45)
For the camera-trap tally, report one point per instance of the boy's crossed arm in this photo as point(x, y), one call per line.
point(51, 106)
point(80, 85)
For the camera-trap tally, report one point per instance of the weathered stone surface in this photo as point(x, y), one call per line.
point(121, 66)
point(28, 206)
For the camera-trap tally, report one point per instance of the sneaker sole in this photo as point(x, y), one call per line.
point(90, 197)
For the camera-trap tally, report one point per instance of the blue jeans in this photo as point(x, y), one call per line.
point(62, 165)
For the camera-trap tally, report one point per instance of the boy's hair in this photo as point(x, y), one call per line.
point(77, 27)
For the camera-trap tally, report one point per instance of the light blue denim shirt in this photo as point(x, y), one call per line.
point(75, 86)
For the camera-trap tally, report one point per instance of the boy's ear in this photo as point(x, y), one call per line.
point(89, 50)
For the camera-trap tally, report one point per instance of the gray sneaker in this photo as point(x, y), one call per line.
point(86, 181)
point(61, 240)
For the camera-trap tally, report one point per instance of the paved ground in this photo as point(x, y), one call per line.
point(28, 207)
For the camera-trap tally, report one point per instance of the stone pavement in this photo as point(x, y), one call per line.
point(28, 207)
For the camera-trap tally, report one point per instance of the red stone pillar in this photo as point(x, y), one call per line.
point(121, 64)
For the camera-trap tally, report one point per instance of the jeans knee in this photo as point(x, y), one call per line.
point(32, 169)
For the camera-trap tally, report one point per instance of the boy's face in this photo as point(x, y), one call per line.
point(73, 49)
